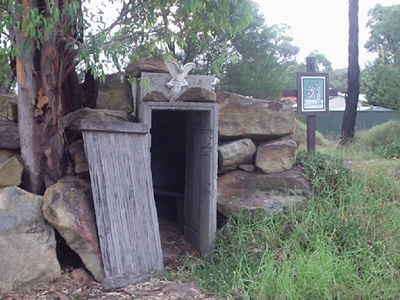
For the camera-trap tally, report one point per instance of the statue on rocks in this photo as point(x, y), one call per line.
point(178, 75)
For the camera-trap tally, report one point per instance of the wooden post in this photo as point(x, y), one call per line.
point(310, 61)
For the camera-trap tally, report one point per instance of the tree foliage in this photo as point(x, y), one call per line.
point(381, 84)
point(338, 80)
point(384, 37)
point(264, 54)
point(381, 78)
point(322, 64)
point(52, 37)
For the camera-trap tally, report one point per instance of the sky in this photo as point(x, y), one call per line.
point(321, 25)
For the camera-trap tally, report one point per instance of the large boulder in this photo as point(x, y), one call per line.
point(68, 206)
point(149, 65)
point(232, 154)
point(27, 242)
point(115, 93)
point(241, 117)
point(276, 156)
point(9, 135)
point(9, 107)
point(10, 172)
point(256, 191)
point(71, 120)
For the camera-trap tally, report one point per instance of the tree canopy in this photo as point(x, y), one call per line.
point(381, 78)
point(264, 54)
point(52, 37)
point(384, 37)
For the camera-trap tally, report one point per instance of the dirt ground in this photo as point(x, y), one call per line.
point(78, 284)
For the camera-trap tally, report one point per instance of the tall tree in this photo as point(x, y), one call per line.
point(385, 33)
point(43, 61)
point(52, 38)
point(353, 77)
point(264, 54)
point(381, 78)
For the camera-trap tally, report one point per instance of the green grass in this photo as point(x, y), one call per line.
point(344, 245)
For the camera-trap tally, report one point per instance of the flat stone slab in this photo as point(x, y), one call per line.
point(253, 192)
point(271, 202)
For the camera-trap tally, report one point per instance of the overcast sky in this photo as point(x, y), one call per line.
point(321, 25)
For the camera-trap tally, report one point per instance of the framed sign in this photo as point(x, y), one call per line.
point(312, 96)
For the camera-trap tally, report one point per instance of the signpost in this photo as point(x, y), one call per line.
point(312, 97)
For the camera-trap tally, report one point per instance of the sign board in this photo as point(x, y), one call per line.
point(313, 93)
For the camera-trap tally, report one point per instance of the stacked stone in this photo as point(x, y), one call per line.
point(256, 156)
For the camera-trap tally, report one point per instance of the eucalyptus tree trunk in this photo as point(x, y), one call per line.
point(40, 105)
point(353, 77)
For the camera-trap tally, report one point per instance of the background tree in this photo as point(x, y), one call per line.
point(7, 57)
point(338, 80)
point(53, 37)
point(353, 77)
point(264, 55)
point(381, 78)
point(322, 64)
point(385, 33)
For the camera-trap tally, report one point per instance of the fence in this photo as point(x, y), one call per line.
point(331, 124)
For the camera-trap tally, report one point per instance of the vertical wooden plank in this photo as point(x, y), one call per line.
point(119, 165)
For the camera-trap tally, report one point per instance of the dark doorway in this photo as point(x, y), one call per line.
point(183, 146)
point(168, 163)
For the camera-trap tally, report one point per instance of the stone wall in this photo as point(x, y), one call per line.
point(256, 156)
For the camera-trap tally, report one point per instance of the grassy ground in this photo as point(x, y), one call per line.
point(344, 245)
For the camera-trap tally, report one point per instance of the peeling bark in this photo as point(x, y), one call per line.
point(40, 106)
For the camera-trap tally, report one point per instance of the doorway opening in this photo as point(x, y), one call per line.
point(183, 147)
point(168, 163)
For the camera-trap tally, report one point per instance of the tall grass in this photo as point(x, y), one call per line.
point(381, 141)
point(344, 245)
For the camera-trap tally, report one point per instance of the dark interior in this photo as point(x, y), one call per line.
point(168, 157)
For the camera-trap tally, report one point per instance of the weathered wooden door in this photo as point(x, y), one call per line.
point(119, 165)
point(200, 190)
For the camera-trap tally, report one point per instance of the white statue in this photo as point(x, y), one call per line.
point(178, 75)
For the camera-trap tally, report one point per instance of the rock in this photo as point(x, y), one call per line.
point(241, 117)
point(115, 93)
point(150, 65)
point(68, 206)
point(71, 121)
point(77, 152)
point(247, 167)
point(155, 97)
point(6, 154)
point(9, 135)
point(27, 242)
point(232, 154)
point(255, 191)
point(276, 156)
point(10, 172)
point(81, 276)
point(198, 95)
point(270, 202)
point(9, 107)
